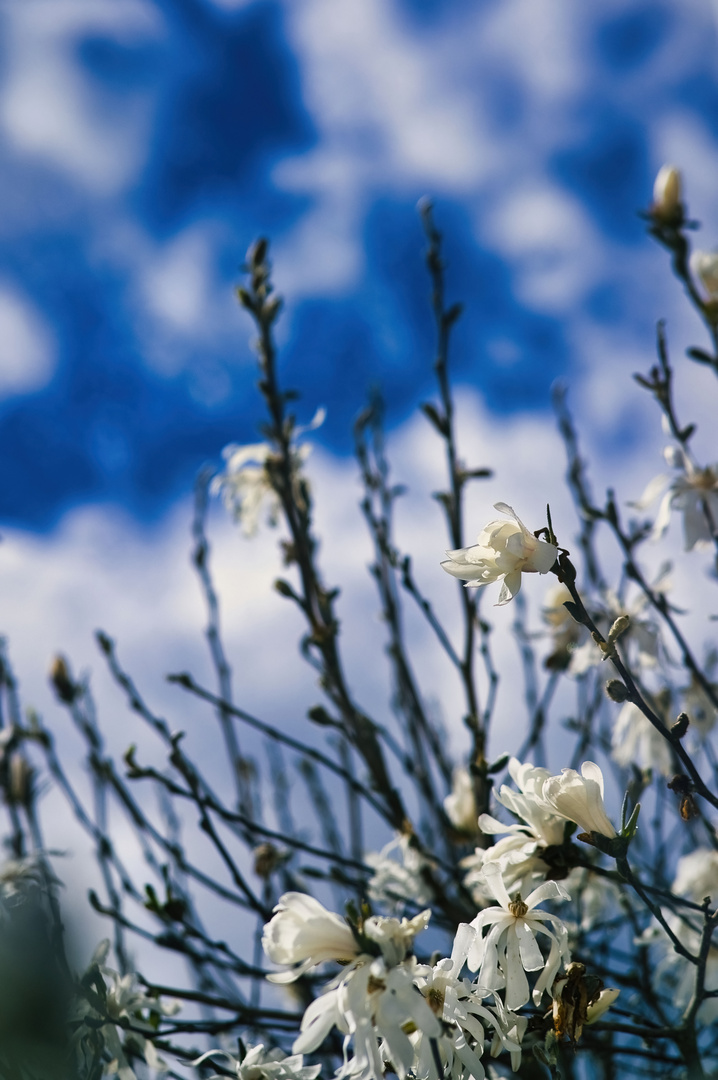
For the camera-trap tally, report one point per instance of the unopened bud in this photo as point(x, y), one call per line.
point(616, 690)
point(619, 627)
point(680, 727)
point(266, 859)
point(667, 194)
point(705, 265)
point(19, 789)
point(62, 682)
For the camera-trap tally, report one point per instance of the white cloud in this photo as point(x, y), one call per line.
point(46, 107)
point(27, 345)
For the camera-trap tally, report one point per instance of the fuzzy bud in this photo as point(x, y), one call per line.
point(616, 690)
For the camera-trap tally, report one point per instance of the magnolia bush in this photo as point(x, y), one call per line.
point(422, 916)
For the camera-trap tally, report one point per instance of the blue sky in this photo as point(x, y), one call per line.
point(145, 143)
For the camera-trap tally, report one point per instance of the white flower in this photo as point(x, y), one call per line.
point(518, 855)
point(510, 948)
point(705, 265)
point(394, 883)
point(373, 1005)
point(635, 741)
point(246, 483)
point(260, 1064)
point(578, 797)
point(303, 933)
point(395, 938)
point(505, 550)
point(694, 492)
point(464, 1015)
point(604, 1002)
point(642, 635)
point(460, 805)
point(667, 192)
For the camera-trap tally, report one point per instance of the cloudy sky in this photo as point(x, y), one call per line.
point(144, 144)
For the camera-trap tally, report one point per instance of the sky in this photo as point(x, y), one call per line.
point(144, 144)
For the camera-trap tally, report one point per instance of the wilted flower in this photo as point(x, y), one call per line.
point(578, 797)
point(504, 550)
point(635, 741)
point(302, 933)
point(460, 805)
point(667, 194)
point(694, 492)
point(510, 948)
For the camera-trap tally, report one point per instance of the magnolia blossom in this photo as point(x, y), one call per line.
point(393, 937)
point(124, 1002)
point(395, 882)
point(261, 1064)
point(465, 1017)
point(510, 948)
point(578, 797)
point(518, 855)
point(302, 933)
point(246, 483)
point(705, 265)
point(667, 193)
point(460, 805)
point(504, 550)
point(642, 636)
point(373, 1005)
point(635, 741)
point(694, 491)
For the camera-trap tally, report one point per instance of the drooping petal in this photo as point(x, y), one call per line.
point(509, 587)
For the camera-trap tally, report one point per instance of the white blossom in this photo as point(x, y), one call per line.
point(604, 1002)
point(705, 265)
point(510, 948)
point(694, 492)
point(398, 881)
point(578, 797)
point(460, 804)
point(667, 192)
point(642, 635)
point(261, 1064)
point(504, 550)
point(465, 1017)
point(518, 855)
point(246, 482)
point(373, 1005)
point(302, 934)
point(395, 938)
point(635, 741)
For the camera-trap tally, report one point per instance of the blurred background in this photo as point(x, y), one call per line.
point(144, 144)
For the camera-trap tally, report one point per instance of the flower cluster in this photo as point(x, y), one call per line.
point(424, 1020)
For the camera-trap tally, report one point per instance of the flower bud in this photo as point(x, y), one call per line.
point(667, 194)
point(616, 690)
point(705, 265)
point(62, 682)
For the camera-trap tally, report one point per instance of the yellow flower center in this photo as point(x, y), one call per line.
point(518, 908)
